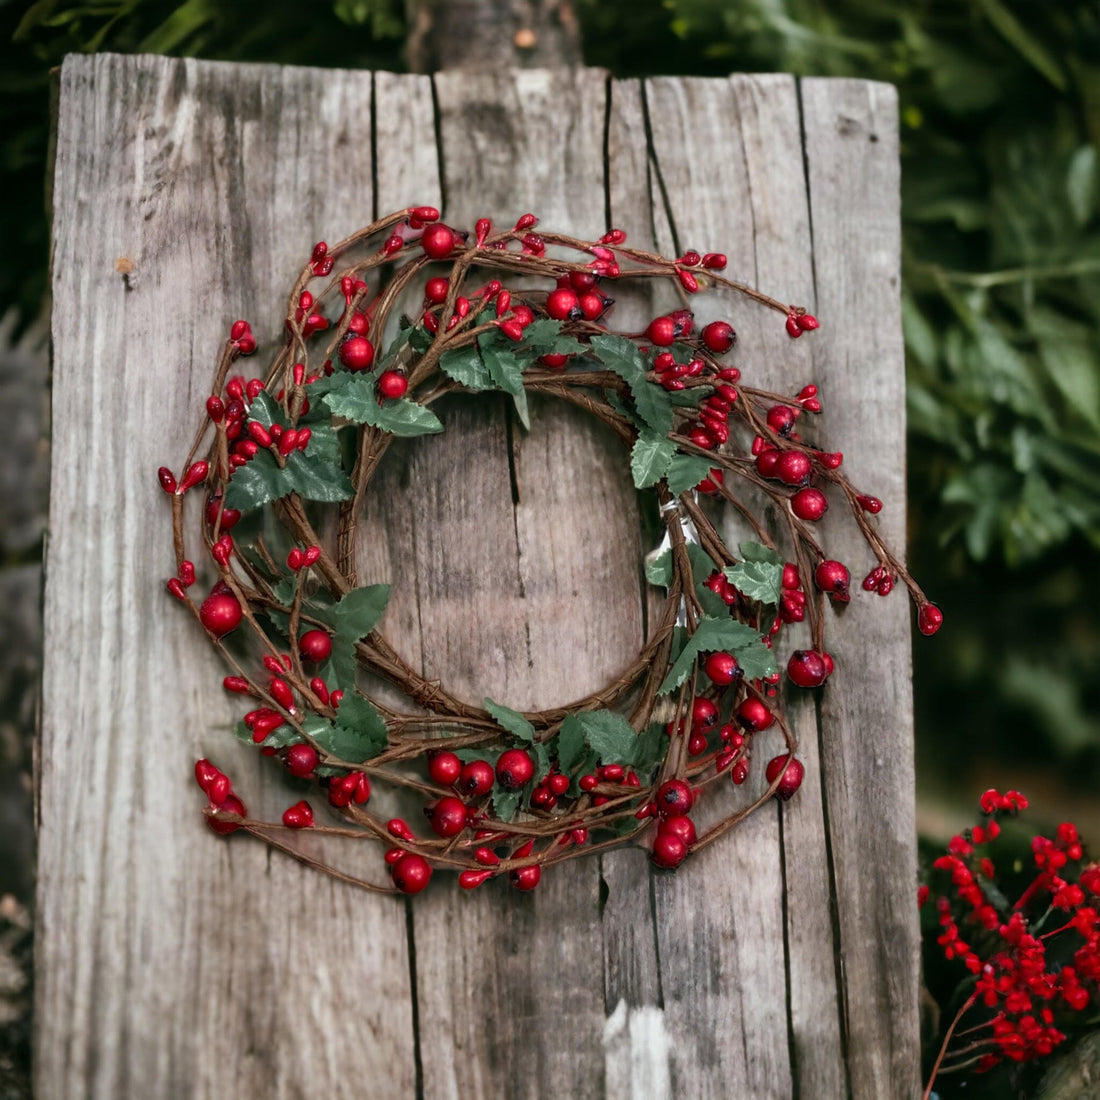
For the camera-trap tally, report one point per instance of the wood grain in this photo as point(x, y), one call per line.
point(780, 961)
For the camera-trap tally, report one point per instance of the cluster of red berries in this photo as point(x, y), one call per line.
point(279, 427)
point(1035, 961)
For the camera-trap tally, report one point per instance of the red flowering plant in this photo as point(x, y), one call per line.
point(1022, 925)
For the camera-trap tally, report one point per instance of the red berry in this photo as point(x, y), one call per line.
point(697, 744)
point(447, 817)
point(794, 330)
point(526, 878)
point(682, 827)
point(231, 805)
point(722, 668)
point(792, 777)
point(754, 716)
point(870, 504)
point(790, 576)
point(356, 353)
point(411, 873)
point(669, 851)
point(393, 384)
point(794, 468)
point(553, 360)
point(315, 645)
point(674, 798)
point(205, 774)
point(833, 577)
point(298, 816)
point(704, 715)
point(808, 322)
point(718, 337)
point(767, 460)
point(444, 768)
point(220, 613)
point(438, 241)
point(929, 618)
point(809, 504)
point(476, 778)
point(781, 419)
point(435, 290)
point(558, 784)
point(661, 331)
point(562, 304)
point(300, 760)
point(807, 668)
point(514, 769)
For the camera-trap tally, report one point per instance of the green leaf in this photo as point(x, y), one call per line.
point(355, 616)
point(712, 635)
point(1029, 48)
point(759, 580)
point(312, 478)
point(511, 720)
point(357, 401)
point(650, 458)
point(545, 336)
point(622, 356)
point(505, 803)
point(571, 743)
point(506, 371)
point(649, 751)
point(609, 735)
point(685, 472)
point(258, 482)
point(358, 733)
point(466, 367)
point(757, 551)
point(265, 410)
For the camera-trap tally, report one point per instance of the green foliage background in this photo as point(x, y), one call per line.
point(1000, 113)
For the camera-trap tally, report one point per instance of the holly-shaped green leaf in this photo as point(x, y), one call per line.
point(659, 571)
point(685, 472)
point(358, 733)
point(756, 551)
point(650, 458)
point(511, 720)
point(622, 356)
point(466, 367)
point(571, 743)
point(758, 580)
point(506, 370)
point(545, 336)
point(357, 401)
point(607, 734)
point(505, 803)
point(312, 478)
point(355, 616)
point(261, 480)
point(714, 634)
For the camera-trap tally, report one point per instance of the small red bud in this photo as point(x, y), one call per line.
point(167, 479)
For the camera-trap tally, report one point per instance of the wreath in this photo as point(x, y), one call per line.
point(507, 793)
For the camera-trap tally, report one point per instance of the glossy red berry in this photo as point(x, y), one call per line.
point(754, 716)
point(447, 817)
point(476, 778)
point(704, 715)
point(300, 760)
point(515, 769)
point(392, 384)
point(315, 645)
point(669, 851)
point(298, 816)
point(807, 668)
point(781, 419)
point(562, 304)
point(411, 873)
point(722, 668)
point(438, 241)
point(833, 578)
point(220, 613)
point(356, 353)
point(791, 578)
point(231, 805)
point(444, 768)
point(674, 798)
point(526, 878)
point(435, 290)
point(682, 827)
point(661, 331)
point(808, 322)
point(809, 504)
point(929, 618)
point(792, 777)
point(794, 468)
point(718, 337)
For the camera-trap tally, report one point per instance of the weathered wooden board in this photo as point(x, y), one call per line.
point(779, 962)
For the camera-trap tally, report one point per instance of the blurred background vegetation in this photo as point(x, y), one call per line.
point(1000, 127)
